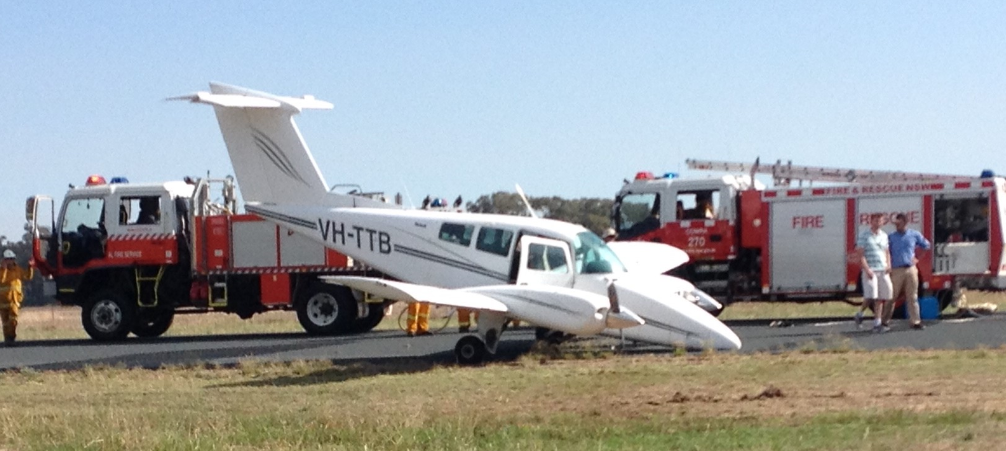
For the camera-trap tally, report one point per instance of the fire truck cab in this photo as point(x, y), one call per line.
point(134, 255)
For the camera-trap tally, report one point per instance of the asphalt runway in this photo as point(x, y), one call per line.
point(389, 346)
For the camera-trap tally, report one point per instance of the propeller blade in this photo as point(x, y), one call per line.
point(613, 297)
point(527, 204)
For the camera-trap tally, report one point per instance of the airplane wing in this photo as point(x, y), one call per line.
point(573, 311)
point(410, 292)
point(647, 257)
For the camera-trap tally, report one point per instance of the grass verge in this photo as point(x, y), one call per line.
point(931, 400)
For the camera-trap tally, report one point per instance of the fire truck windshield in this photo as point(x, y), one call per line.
point(634, 214)
point(595, 257)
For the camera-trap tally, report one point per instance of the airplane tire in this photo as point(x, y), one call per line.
point(541, 333)
point(153, 323)
point(375, 313)
point(107, 316)
point(470, 350)
point(326, 309)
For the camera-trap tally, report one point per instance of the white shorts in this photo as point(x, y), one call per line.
point(877, 288)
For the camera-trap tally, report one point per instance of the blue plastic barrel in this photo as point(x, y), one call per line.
point(929, 307)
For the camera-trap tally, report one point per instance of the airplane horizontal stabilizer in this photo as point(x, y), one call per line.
point(647, 257)
point(409, 292)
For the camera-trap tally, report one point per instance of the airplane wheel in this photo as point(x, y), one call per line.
point(540, 333)
point(375, 313)
point(470, 350)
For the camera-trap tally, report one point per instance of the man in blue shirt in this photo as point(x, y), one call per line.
point(904, 274)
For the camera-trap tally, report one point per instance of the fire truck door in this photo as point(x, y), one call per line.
point(40, 212)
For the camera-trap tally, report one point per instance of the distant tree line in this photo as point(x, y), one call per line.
point(592, 213)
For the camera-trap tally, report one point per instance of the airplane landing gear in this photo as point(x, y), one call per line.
point(472, 349)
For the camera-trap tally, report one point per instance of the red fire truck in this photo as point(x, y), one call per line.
point(796, 242)
point(134, 255)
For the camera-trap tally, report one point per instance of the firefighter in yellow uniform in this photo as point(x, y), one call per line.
point(11, 295)
point(465, 319)
point(419, 319)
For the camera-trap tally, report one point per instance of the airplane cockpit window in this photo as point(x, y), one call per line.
point(547, 258)
point(457, 233)
point(494, 241)
point(593, 256)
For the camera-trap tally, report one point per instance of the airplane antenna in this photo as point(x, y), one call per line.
point(407, 195)
point(526, 203)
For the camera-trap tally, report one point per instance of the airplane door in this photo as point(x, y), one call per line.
point(544, 262)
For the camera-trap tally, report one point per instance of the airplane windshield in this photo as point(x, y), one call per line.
point(593, 256)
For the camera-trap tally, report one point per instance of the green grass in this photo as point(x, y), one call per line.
point(930, 400)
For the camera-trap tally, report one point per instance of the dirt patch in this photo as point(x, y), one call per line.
point(769, 392)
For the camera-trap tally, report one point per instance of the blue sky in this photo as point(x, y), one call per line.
point(448, 98)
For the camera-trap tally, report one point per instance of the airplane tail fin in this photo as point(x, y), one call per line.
point(270, 158)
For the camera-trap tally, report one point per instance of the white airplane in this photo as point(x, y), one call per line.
point(548, 273)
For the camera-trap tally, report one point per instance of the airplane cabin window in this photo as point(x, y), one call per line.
point(494, 241)
point(546, 258)
point(457, 233)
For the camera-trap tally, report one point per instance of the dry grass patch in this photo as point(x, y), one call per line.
point(854, 400)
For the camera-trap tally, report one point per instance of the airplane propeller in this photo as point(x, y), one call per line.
point(616, 318)
point(527, 204)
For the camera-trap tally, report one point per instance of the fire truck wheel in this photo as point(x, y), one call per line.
point(375, 313)
point(107, 316)
point(326, 309)
point(153, 323)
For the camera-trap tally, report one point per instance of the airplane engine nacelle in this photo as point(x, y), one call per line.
point(573, 311)
point(670, 318)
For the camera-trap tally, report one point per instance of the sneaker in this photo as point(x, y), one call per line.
point(877, 329)
point(918, 326)
point(859, 320)
point(885, 329)
point(423, 332)
point(464, 329)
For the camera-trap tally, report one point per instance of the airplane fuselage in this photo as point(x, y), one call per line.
point(463, 250)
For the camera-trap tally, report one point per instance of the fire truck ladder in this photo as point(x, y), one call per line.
point(147, 285)
point(783, 174)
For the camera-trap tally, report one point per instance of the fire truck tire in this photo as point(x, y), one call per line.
point(326, 309)
point(107, 316)
point(153, 323)
point(375, 313)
